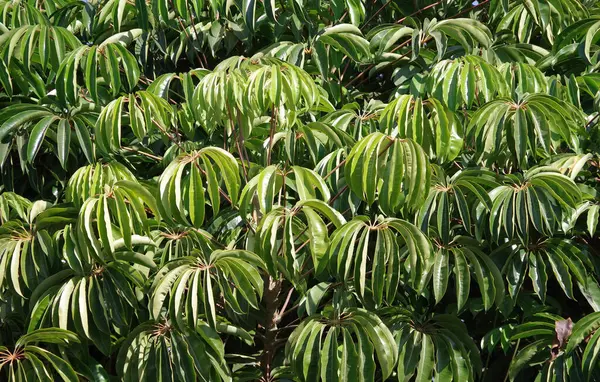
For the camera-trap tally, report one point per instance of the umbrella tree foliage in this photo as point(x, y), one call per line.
point(279, 190)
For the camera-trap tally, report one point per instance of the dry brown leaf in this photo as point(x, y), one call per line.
point(562, 330)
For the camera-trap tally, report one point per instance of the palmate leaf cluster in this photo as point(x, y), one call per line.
point(287, 190)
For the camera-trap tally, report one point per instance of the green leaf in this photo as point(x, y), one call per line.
point(440, 275)
point(348, 39)
point(249, 7)
point(462, 278)
point(38, 133)
point(18, 120)
point(65, 370)
point(425, 367)
point(582, 329)
point(329, 356)
point(63, 138)
point(524, 356)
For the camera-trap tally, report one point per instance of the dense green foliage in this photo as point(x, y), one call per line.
point(344, 190)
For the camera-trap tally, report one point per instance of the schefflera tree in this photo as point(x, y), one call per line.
point(299, 191)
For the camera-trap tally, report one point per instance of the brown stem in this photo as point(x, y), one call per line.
point(271, 299)
point(239, 141)
point(361, 74)
point(188, 36)
point(287, 300)
point(172, 138)
point(205, 64)
point(418, 11)
point(220, 189)
point(591, 122)
point(155, 157)
point(335, 169)
point(271, 134)
point(243, 141)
